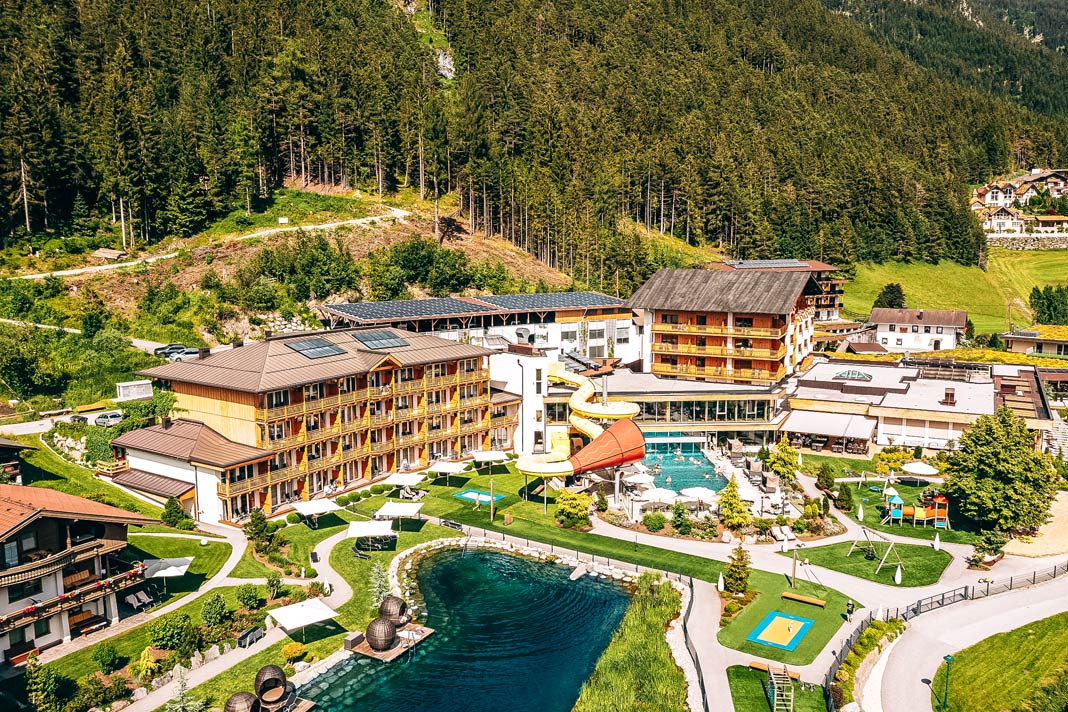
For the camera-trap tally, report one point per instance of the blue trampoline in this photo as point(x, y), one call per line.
point(474, 495)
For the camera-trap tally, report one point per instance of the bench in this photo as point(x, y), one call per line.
point(763, 667)
point(789, 596)
point(452, 525)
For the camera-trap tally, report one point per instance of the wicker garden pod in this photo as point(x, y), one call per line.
point(242, 702)
point(268, 678)
point(381, 634)
point(395, 609)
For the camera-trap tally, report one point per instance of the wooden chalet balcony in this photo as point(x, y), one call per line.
point(721, 351)
point(90, 591)
point(738, 374)
point(437, 407)
point(720, 330)
point(384, 446)
point(473, 427)
point(413, 386)
point(382, 418)
point(403, 440)
point(377, 392)
point(436, 381)
point(473, 376)
point(227, 490)
point(313, 406)
point(402, 414)
point(501, 421)
point(50, 564)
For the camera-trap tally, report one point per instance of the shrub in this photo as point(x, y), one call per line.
point(602, 502)
point(379, 583)
point(293, 518)
point(680, 519)
point(274, 585)
point(364, 494)
point(990, 543)
point(292, 652)
point(736, 573)
point(214, 611)
point(573, 509)
point(763, 526)
point(145, 667)
point(186, 525)
point(248, 595)
point(105, 656)
point(845, 498)
point(167, 632)
point(654, 521)
point(798, 526)
point(379, 489)
point(315, 589)
point(172, 512)
point(917, 452)
point(733, 512)
point(343, 500)
point(825, 477)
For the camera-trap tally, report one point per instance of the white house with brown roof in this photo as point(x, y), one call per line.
point(187, 460)
point(914, 330)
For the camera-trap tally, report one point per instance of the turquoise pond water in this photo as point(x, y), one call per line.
point(511, 634)
point(683, 472)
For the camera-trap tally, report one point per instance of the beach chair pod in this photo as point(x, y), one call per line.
point(381, 634)
point(395, 609)
point(270, 683)
point(242, 702)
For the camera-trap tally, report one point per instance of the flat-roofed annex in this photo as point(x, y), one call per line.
point(270, 365)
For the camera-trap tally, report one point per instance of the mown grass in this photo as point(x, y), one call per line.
point(207, 560)
point(302, 540)
point(301, 207)
point(43, 468)
point(962, 531)
point(749, 692)
point(637, 670)
point(922, 565)
point(1005, 670)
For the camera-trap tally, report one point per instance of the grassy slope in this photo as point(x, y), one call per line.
point(43, 468)
point(530, 522)
point(922, 564)
point(1004, 670)
point(747, 692)
point(985, 295)
point(302, 539)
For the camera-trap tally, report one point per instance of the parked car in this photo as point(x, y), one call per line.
point(169, 349)
point(109, 418)
point(76, 419)
point(186, 354)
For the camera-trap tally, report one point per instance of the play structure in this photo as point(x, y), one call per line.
point(621, 444)
point(780, 687)
point(867, 546)
point(933, 508)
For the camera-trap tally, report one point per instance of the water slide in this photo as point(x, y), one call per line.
point(620, 444)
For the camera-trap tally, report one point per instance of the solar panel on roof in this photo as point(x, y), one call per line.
point(768, 264)
point(378, 340)
point(409, 309)
point(315, 348)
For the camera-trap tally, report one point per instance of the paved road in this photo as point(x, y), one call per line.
point(143, 344)
point(394, 214)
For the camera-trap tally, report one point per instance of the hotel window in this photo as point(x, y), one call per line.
point(1038, 348)
point(569, 335)
point(405, 374)
point(239, 474)
point(884, 341)
point(938, 330)
point(277, 399)
point(893, 327)
point(538, 415)
point(597, 352)
point(315, 451)
point(347, 384)
point(313, 391)
point(313, 423)
point(277, 431)
point(469, 365)
point(42, 628)
point(374, 380)
point(897, 342)
point(1062, 349)
point(19, 591)
point(17, 636)
point(744, 322)
point(434, 423)
point(927, 330)
point(597, 334)
point(279, 461)
point(435, 370)
point(701, 320)
point(402, 403)
point(537, 381)
point(915, 329)
point(623, 335)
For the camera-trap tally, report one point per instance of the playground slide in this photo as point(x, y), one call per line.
point(622, 443)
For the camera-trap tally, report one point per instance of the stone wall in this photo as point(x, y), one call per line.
point(1029, 242)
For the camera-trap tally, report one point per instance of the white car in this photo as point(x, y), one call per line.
point(189, 354)
point(106, 420)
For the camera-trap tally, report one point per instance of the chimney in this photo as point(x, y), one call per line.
point(267, 334)
point(165, 422)
point(920, 317)
point(238, 344)
point(203, 353)
point(950, 397)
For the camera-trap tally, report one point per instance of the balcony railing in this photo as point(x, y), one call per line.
point(721, 351)
point(384, 446)
point(72, 599)
point(437, 381)
point(382, 418)
point(501, 421)
point(473, 376)
point(738, 374)
point(720, 330)
point(49, 564)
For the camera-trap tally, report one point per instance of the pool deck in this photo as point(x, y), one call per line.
point(399, 648)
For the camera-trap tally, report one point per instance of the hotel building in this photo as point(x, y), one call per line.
point(59, 567)
point(827, 304)
point(727, 326)
point(332, 409)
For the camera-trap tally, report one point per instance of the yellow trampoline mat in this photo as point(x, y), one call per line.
point(781, 631)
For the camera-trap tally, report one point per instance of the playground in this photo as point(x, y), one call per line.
point(749, 692)
point(909, 510)
point(921, 565)
point(781, 630)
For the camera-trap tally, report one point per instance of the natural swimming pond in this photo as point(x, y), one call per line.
point(511, 634)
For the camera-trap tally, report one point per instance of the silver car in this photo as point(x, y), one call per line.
point(106, 420)
point(185, 355)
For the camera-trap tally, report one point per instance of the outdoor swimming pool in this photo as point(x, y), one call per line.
point(511, 634)
point(683, 472)
point(474, 495)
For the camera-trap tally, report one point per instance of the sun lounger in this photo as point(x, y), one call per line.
point(790, 536)
point(133, 603)
point(777, 534)
point(144, 598)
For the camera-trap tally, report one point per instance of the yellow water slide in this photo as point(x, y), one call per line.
point(606, 447)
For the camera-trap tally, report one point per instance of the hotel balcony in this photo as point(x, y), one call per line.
point(719, 373)
point(721, 351)
point(719, 330)
point(502, 421)
point(54, 562)
point(89, 591)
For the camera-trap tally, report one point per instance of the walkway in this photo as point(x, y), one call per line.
point(394, 213)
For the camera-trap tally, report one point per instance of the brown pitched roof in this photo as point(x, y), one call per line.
point(866, 348)
point(15, 445)
point(272, 365)
point(502, 397)
point(931, 317)
point(150, 483)
point(774, 265)
point(744, 291)
point(20, 505)
point(190, 441)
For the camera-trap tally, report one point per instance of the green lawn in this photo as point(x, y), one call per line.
point(43, 468)
point(748, 692)
point(249, 567)
point(530, 522)
point(321, 640)
point(302, 208)
point(164, 529)
point(207, 560)
point(922, 564)
point(1005, 670)
point(812, 463)
point(985, 295)
point(962, 531)
point(302, 539)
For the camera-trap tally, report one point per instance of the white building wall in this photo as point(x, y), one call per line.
point(914, 342)
point(520, 375)
point(205, 480)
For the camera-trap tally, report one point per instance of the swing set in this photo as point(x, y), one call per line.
point(871, 553)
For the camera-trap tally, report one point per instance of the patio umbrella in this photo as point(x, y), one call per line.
point(661, 494)
point(167, 568)
point(921, 469)
point(701, 494)
point(889, 492)
point(640, 479)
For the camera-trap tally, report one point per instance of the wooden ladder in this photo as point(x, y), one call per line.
point(781, 689)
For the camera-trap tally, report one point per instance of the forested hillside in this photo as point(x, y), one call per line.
point(1044, 20)
point(770, 127)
